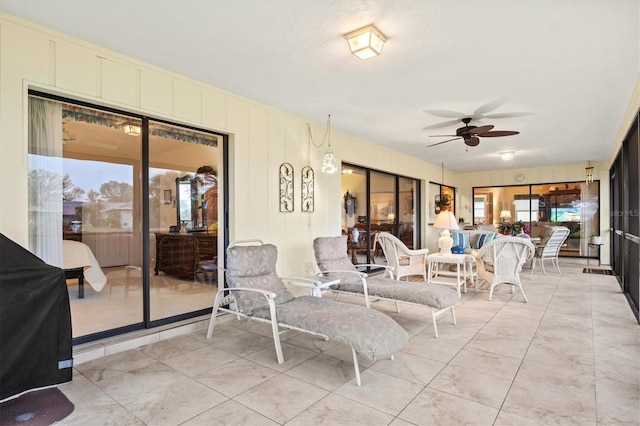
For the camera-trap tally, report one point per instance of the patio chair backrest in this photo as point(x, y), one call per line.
point(331, 255)
point(255, 267)
point(555, 239)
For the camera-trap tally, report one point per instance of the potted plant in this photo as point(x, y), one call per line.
point(595, 239)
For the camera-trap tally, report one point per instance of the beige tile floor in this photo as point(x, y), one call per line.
point(569, 356)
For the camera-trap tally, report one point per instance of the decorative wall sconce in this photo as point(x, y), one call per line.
point(307, 202)
point(329, 162)
point(588, 174)
point(286, 187)
point(131, 129)
point(366, 42)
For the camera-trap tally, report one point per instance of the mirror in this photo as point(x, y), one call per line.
point(189, 202)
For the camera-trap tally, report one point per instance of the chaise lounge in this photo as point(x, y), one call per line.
point(258, 293)
point(332, 260)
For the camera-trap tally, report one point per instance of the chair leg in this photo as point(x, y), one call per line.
point(397, 307)
point(491, 291)
point(533, 266)
point(214, 313)
point(435, 324)
point(453, 315)
point(356, 366)
point(524, 296)
point(557, 265)
point(276, 332)
point(542, 264)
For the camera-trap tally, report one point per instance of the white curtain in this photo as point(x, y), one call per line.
point(45, 180)
point(589, 214)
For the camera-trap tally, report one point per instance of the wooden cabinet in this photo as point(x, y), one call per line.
point(185, 255)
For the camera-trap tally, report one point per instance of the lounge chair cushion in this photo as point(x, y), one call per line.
point(435, 296)
point(331, 256)
point(371, 333)
point(255, 267)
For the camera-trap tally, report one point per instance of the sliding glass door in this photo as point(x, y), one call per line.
point(374, 202)
point(108, 195)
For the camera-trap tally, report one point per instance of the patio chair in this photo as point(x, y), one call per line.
point(549, 247)
point(404, 261)
point(332, 260)
point(258, 293)
point(500, 262)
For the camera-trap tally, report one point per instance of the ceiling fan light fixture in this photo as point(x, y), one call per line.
point(366, 42)
point(507, 155)
point(131, 129)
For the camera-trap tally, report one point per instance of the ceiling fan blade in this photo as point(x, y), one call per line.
point(440, 143)
point(497, 133)
point(444, 113)
point(490, 106)
point(443, 136)
point(509, 114)
point(474, 141)
point(479, 130)
point(443, 124)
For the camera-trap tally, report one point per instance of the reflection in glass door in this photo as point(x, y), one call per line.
point(84, 203)
point(184, 170)
point(376, 202)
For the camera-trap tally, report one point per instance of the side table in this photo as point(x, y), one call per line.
point(321, 282)
point(436, 275)
point(598, 246)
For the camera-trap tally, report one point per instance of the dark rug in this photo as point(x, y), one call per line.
point(43, 407)
point(598, 271)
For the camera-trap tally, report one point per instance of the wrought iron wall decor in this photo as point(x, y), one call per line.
point(286, 187)
point(307, 189)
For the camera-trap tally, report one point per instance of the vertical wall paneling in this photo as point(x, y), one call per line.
point(187, 101)
point(214, 110)
point(120, 83)
point(156, 92)
point(75, 69)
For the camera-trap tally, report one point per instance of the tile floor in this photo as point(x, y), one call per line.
point(569, 356)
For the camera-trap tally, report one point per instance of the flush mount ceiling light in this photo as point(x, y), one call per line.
point(366, 42)
point(507, 155)
point(131, 129)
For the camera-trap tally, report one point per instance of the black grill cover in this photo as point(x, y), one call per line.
point(35, 322)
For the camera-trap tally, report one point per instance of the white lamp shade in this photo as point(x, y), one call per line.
point(446, 220)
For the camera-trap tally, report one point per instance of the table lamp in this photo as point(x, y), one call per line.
point(445, 220)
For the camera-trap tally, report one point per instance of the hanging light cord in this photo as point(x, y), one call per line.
point(327, 134)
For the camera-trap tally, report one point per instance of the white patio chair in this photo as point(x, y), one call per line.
point(404, 261)
point(500, 262)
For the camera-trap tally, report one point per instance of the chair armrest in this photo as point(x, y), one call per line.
point(300, 282)
point(268, 294)
point(363, 265)
point(360, 274)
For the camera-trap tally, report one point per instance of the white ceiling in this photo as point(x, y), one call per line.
point(573, 64)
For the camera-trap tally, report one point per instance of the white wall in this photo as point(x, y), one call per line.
point(261, 138)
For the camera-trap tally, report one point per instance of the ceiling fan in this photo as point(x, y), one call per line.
point(472, 134)
point(478, 114)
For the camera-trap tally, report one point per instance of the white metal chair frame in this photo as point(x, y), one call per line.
point(270, 296)
point(435, 313)
point(551, 248)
